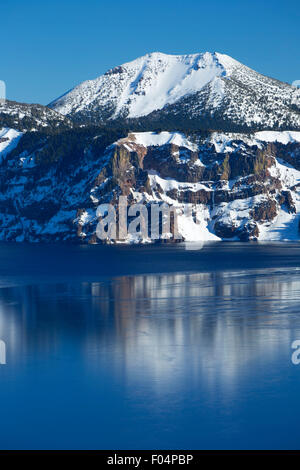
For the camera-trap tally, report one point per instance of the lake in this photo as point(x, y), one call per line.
point(150, 347)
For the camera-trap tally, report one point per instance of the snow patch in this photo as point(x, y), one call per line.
point(283, 137)
point(148, 139)
point(9, 139)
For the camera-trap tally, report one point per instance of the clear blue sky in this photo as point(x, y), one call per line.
point(48, 47)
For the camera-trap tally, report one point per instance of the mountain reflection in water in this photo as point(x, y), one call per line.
point(199, 360)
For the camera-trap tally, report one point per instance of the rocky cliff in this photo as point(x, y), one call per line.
point(237, 186)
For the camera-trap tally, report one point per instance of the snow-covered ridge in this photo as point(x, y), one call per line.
point(147, 83)
point(191, 87)
point(154, 139)
point(222, 141)
point(285, 137)
point(30, 117)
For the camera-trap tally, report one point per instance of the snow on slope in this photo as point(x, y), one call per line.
point(284, 137)
point(223, 141)
point(156, 139)
point(9, 139)
point(30, 117)
point(147, 83)
point(188, 86)
point(175, 77)
point(285, 225)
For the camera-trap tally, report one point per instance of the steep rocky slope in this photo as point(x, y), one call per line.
point(238, 186)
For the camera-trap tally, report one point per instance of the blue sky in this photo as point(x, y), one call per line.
point(50, 46)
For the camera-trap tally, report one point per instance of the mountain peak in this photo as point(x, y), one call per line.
point(145, 84)
point(192, 87)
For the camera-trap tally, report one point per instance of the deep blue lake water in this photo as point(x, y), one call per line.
point(166, 347)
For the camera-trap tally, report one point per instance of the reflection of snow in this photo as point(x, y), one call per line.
point(199, 325)
point(159, 330)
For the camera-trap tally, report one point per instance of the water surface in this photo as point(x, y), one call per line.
point(150, 347)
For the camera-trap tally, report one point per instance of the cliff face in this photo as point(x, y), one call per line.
point(236, 186)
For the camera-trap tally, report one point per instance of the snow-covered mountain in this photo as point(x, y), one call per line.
point(198, 91)
point(216, 136)
point(238, 186)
